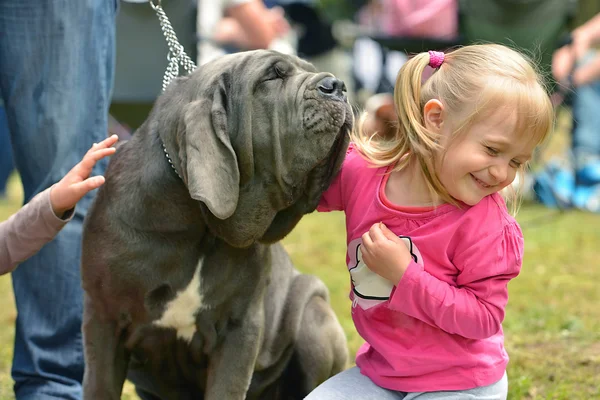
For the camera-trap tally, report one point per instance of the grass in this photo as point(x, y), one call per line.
point(552, 325)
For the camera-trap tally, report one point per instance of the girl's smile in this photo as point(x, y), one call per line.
point(481, 183)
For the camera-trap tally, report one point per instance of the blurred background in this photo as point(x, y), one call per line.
point(553, 319)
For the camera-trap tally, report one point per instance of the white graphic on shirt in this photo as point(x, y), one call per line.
point(368, 288)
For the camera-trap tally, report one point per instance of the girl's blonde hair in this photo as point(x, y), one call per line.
point(476, 78)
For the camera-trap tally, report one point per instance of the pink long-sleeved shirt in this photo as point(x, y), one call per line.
point(440, 327)
point(25, 232)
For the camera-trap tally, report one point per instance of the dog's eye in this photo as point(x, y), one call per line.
point(279, 71)
point(275, 72)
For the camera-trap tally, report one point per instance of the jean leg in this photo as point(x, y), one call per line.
point(495, 391)
point(351, 384)
point(6, 159)
point(56, 75)
point(586, 124)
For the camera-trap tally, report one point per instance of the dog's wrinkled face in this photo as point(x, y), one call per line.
point(261, 137)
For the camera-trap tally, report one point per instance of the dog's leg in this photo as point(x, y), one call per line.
point(231, 365)
point(321, 349)
point(106, 358)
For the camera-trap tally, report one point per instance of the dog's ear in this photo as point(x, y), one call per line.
point(210, 164)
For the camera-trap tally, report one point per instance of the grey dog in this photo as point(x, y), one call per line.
point(187, 291)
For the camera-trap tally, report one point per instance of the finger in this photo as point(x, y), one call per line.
point(389, 234)
point(80, 189)
point(365, 253)
point(85, 166)
point(376, 233)
point(108, 142)
point(99, 153)
point(367, 242)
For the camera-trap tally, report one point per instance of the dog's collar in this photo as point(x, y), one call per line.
point(169, 158)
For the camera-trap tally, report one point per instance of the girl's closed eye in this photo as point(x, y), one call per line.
point(491, 151)
point(516, 164)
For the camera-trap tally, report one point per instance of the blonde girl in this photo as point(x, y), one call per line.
point(431, 244)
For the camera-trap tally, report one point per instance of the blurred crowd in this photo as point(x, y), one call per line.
point(365, 42)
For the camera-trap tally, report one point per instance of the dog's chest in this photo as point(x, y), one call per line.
point(180, 312)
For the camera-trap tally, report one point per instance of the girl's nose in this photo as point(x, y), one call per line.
point(499, 172)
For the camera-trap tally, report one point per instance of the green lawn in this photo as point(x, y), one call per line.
point(553, 319)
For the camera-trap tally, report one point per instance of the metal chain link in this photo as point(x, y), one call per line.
point(177, 55)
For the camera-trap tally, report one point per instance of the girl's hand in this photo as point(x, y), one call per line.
point(385, 253)
point(65, 194)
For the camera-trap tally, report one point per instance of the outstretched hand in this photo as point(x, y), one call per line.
point(76, 183)
point(385, 253)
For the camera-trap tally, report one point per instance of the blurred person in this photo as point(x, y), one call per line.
point(40, 220)
point(376, 66)
point(56, 74)
point(577, 67)
point(431, 243)
point(315, 39)
point(241, 24)
point(421, 19)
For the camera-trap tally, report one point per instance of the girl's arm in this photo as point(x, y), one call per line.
point(36, 223)
point(475, 307)
point(25, 232)
point(333, 198)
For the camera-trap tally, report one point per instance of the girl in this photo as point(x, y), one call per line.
point(24, 233)
point(431, 245)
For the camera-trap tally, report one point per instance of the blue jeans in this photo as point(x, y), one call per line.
point(351, 384)
point(56, 76)
point(586, 123)
point(6, 159)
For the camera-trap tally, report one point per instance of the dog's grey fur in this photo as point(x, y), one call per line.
point(256, 139)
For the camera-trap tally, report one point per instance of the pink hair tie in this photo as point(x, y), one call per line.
point(436, 58)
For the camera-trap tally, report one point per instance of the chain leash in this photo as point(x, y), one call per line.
point(176, 55)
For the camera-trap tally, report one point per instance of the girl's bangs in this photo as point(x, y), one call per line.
point(535, 113)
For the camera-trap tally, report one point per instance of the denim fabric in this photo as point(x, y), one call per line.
point(586, 121)
point(351, 384)
point(56, 75)
point(6, 159)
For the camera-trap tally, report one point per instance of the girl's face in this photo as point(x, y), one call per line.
point(484, 159)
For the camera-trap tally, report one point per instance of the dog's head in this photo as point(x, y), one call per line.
point(257, 137)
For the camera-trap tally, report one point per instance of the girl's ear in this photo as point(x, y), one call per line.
point(433, 115)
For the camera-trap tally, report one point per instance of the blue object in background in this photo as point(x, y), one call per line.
point(554, 185)
point(589, 174)
point(587, 198)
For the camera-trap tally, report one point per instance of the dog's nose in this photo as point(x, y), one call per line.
point(333, 87)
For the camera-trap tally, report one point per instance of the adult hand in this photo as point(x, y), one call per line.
point(385, 253)
point(276, 18)
point(563, 62)
point(582, 43)
point(65, 194)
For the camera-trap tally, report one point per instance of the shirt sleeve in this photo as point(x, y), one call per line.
point(26, 231)
point(333, 198)
point(475, 307)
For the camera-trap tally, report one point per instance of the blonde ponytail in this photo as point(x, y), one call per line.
point(412, 140)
